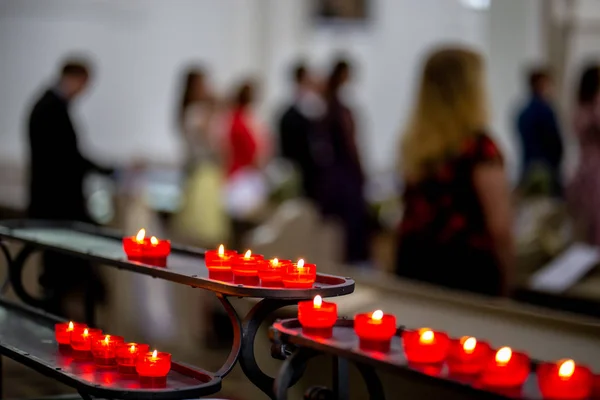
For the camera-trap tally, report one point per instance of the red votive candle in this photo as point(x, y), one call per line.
point(300, 275)
point(375, 330)
point(151, 250)
point(81, 338)
point(507, 369)
point(317, 317)
point(153, 366)
point(62, 331)
point(564, 380)
point(425, 346)
point(245, 269)
point(104, 349)
point(468, 356)
point(271, 272)
point(219, 262)
point(127, 354)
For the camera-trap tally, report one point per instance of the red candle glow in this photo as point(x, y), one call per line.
point(425, 346)
point(507, 369)
point(219, 262)
point(564, 380)
point(375, 330)
point(81, 338)
point(317, 317)
point(245, 269)
point(271, 272)
point(468, 356)
point(300, 275)
point(62, 331)
point(127, 354)
point(151, 250)
point(153, 365)
point(104, 349)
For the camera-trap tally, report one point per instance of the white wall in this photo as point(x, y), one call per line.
point(140, 45)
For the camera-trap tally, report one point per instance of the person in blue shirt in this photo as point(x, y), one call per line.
point(539, 133)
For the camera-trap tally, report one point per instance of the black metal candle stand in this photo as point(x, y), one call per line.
point(26, 335)
point(288, 337)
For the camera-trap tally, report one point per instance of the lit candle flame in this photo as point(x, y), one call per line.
point(132, 348)
point(300, 263)
point(275, 262)
point(426, 336)
point(140, 236)
point(71, 326)
point(153, 240)
point(154, 354)
point(377, 315)
point(106, 339)
point(85, 332)
point(566, 369)
point(221, 251)
point(248, 254)
point(318, 301)
point(503, 356)
point(469, 344)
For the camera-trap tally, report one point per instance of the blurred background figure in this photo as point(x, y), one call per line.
point(456, 229)
point(584, 190)
point(340, 177)
point(297, 126)
point(195, 116)
point(540, 136)
point(246, 145)
point(202, 220)
point(57, 172)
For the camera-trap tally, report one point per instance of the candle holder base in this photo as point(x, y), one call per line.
point(220, 275)
point(153, 382)
point(105, 362)
point(154, 261)
point(269, 283)
point(65, 349)
point(320, 332)
point(462, 369)
point(246, 280)
point(81, 355)
point(382, 346)
point(127, 370)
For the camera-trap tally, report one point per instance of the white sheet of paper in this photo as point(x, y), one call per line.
point(566, 270)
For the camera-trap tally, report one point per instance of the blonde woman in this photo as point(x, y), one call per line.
point(456, 229)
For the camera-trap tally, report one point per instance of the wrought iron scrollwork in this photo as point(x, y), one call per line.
point(16, 278)
point(8, 258)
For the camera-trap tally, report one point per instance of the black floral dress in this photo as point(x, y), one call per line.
point(443, 237)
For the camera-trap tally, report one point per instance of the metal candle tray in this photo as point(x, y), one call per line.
point(27, 336)
point(185, 265)
point(345, 344)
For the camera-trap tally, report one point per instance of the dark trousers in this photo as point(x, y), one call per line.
point(453, 265)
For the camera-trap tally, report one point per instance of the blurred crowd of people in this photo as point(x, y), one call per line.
point(316, 133)
point(457, 224)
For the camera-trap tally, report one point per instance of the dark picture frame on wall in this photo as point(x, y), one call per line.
point(341, 11)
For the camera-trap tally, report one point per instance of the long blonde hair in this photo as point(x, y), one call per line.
point(451, 107)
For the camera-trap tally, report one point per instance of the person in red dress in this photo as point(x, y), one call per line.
point(456, 229)
point(242, 139)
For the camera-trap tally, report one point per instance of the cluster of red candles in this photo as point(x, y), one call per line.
point(146, 250)
point(466, 356)
point(253, 270)
point(110, 351)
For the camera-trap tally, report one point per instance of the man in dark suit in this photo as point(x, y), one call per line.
point(297, 126)
point(539, 132)
point(57, 173)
